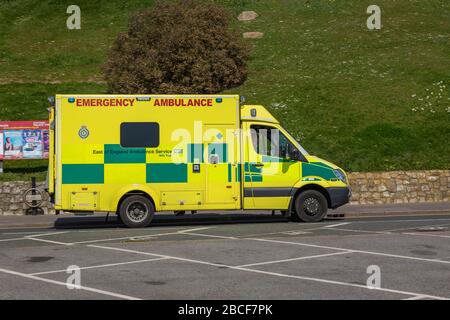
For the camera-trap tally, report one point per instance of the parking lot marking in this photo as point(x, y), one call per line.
point(426, 235)
point(416, 298)
point(400, 220)
point(99, 266)
point(336, 225)
point(104, 292)
point(275, 273)
point(354, 250)
point(294, 259)
point(363, 231)
point(12, 239)
point(16, 233)
point(210, 235)
point(195, 229)
point(141, 237)
point(48, 241)
point(46, 234)
point(159, 255)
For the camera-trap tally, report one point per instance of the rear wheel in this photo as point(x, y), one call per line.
point(136, 211)
point(311, 206)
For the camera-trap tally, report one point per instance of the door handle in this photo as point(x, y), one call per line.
point(258, 164)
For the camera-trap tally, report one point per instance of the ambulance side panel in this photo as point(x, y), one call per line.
point(184, 157)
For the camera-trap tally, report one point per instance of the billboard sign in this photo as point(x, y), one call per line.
point(24, 140)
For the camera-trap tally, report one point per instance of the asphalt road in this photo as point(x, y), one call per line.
point(238, 257)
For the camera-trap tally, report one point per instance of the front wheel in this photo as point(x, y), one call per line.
point(311, 206)
point(136, 211)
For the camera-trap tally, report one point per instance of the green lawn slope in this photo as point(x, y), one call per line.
point(365, 100)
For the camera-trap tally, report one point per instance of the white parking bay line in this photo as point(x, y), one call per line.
point(46, 234)
point(143, 237)
point(209, 235)
point(12, 239)
point(35, 238)
point(103, 292)
point(48, 241)
point(294, 259)
point(99, 266)
point(426, 235)
point(353, 250)
point(416, 298)
point(414, 294)
point(336, 225)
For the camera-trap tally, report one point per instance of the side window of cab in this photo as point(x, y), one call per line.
point(270, 141)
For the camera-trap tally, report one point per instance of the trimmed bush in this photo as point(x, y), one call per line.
point(182, 47)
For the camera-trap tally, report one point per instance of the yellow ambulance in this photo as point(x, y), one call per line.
point(140, 154)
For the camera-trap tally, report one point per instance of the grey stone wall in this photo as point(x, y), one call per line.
point(367, 188)
point(400, 186)
point(12, 201)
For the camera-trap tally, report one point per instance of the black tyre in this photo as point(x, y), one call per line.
point(136, 211)
point(311, 206)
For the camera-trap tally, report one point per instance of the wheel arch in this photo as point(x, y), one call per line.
point(310, 186)
point(135, 190)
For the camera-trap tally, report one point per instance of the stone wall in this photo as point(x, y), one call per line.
point(11, 197)
point(367, 188)
point(400, 186)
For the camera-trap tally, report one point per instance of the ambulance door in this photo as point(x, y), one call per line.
point(220, 164)
point(269, 172)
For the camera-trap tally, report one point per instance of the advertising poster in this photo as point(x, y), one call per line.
point(46, 139)
point(12, 144)
point(1, 145)
point(24, 140)
point(32, 144)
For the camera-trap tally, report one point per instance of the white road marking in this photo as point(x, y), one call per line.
point(100, 266)
point(143, 237)
point(195, 229)
point(48, 241)
point(416, 298)
point(210, 235)
point(275, 273)
point(104, 292)
point(295, 259)
point(34, 237)
point(45, 234)
point(426, 235)
point(15, 233)
point(401, 220)
point(363, 231)
point(12, 239)
point(294, 233)
point(336, 225)
point(353, 250)
point(159, 255)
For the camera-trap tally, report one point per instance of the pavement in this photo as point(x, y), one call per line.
point(229, 256)
point(349, 211)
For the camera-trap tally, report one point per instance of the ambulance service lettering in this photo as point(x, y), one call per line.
point(126, 102)
point(183, 102)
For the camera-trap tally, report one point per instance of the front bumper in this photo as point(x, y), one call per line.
point(339, 196)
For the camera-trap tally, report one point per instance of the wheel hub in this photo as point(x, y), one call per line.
point(137, 211)
point(311, 206)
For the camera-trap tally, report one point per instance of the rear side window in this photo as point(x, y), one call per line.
point(139, 134)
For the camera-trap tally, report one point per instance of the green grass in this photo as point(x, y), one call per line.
point(352, 96)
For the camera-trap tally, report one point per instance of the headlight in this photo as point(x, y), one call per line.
point(340, 175)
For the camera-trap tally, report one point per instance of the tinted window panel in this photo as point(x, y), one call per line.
point(139, 134)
